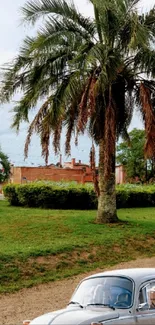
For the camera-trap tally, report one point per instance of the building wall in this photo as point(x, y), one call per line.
point(15, 175)
point(120, 175)
point(30, 174)
point(21, 175)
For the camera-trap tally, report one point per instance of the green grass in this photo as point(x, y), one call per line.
point(39, 245)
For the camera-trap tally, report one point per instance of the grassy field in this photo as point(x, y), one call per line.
point(38, 245)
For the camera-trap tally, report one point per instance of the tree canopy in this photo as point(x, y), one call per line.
point(4, 167)
point(131, 155)
point(89, 74)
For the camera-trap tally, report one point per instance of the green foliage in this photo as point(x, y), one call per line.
point(4, 167)
point(131, 195)
point(71, 196)
point(10, 191)
point(38, 245)
point(130, 154)
point(50, 195)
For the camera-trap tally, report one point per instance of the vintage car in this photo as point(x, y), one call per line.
point(115, 297)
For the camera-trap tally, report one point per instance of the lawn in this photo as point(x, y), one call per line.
point(39, 245)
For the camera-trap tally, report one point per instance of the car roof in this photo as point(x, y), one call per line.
point(136, 274)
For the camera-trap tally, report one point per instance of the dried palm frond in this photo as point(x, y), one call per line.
point(57, 137)
point(149, 119)
point(36, 124)
point(45, 138)
point(93, 169)
point(70, 127)
point(109, 138)
point(83, 106)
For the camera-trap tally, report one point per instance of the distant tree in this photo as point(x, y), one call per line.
point(131, 155)
point(4, 167)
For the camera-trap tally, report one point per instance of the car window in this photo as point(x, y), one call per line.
point(147, 295)
point(113, 291)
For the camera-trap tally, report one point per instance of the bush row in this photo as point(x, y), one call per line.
point(54, 196)
point(51, 196)
point(132, 195)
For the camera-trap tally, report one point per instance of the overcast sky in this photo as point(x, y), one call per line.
point(11, 35)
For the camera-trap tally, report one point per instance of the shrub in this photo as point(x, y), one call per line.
point(73, 196)
point(134, 196)
point(10, 193)
point(50, 195)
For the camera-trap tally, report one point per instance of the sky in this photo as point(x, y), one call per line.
point(12, 32)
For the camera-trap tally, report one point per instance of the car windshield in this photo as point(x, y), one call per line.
point(104, 291)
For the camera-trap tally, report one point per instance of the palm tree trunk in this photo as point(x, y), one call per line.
point(107, 199)
point(107, 212)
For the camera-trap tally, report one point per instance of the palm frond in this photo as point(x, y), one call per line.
point(14, 75)
point(145, 61)
point(45, 138)
point(97, 119)
point(110, 138)
point(54, 26)
point(148, 19)
point(35, 124)
point(70, 123)
point(149, 119)
point(34, 10)
point(93, 169)
point(86, 103)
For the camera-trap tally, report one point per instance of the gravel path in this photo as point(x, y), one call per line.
point(32, 302)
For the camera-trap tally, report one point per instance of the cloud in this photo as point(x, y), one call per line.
point(6, 56)
point(145, 5)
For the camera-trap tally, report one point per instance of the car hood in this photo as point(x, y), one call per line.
point(76, 316)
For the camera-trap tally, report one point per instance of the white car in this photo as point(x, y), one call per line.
point(114, 297)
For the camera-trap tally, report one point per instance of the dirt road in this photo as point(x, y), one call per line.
point(30, 303)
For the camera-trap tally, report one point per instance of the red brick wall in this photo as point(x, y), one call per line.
point(29, 174)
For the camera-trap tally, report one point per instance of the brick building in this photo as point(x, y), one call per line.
point(71, 171)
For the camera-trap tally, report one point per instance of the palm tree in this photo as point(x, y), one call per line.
point(89, 75)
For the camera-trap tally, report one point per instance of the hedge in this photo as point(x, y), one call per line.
point(72, 196)
point(135, 196)
point(51, 196)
